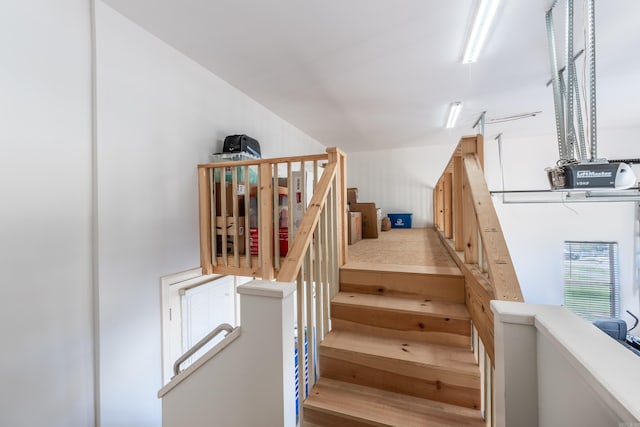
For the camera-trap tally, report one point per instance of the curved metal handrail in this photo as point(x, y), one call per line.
point(197, 346)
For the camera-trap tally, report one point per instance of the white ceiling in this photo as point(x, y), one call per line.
point(377, 74)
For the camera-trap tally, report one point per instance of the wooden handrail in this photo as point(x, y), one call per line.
point(271, 161)
point(469, 226)
point(500, 267)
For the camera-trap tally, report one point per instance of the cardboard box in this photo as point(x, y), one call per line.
point(355, 227)
point(371, 219)
point(231, 231)
point(228, 188)
point(352, 196)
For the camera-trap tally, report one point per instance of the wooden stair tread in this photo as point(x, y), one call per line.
point(404, 304)
point(398, 268)
point(363, 405)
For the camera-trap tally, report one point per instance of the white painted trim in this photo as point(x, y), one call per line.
point(265, 288)
point(181, 276)
point(94, 219)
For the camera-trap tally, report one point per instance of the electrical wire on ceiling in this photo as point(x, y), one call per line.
point(513, 117)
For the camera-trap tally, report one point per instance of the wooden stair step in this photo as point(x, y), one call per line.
point(438, 283)
point(333, 403)
point(411, 314)
point(426, 370)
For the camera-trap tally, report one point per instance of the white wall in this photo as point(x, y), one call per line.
point(536, 233)
point(399, 180)
point(46, 361)
point(159, 114)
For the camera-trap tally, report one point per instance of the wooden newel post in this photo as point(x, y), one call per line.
point(338, 156)
point(204, 202)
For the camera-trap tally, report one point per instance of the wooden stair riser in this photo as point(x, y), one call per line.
point(337, 403)
point(437, 287)
point(439, 338)
point(456, 373)
point(426, 388)
point(402, 321)
point(315, 417)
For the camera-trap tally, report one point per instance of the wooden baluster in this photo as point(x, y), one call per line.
point(447, 205)
point(326, 289)
point(301, 334)
point(247, 217)
point(458, 209)
point(439, 210)
point(290, 204)
point(311, 330)
point(470, 225)
point(276, 218)
point(206, 210)
point(236, 217)
point(223, 217)
point(265, 222)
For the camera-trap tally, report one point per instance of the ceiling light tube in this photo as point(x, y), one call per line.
point(454, 112)
point(481, 25)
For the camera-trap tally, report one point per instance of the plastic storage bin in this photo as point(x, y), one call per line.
point(400, 220)
point(235, 157)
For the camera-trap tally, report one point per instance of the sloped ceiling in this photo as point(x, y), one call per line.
point(376, 74)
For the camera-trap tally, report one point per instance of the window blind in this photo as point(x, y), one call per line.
point(591, 284)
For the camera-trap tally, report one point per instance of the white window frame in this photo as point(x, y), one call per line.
point(589, 271)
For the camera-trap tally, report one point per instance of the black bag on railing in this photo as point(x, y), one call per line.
point(241, 143)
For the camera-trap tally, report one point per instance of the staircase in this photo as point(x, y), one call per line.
point(399, 352)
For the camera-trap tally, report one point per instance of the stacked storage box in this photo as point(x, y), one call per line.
point(371, 216)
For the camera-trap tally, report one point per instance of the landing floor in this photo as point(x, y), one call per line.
point(410, 247)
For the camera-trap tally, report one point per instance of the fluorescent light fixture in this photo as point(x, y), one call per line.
point(481, 25)
point(454, 112)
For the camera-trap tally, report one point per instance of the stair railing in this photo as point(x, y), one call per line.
point(311, 255)
point(250, 211)
point(468, 224)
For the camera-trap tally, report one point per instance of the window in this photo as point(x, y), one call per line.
point(591, 286)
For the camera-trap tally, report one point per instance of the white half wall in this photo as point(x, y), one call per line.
point(553, 368)
point(159, 115)
point(46, 320)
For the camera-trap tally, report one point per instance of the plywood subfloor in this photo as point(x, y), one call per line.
point(413, 246)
